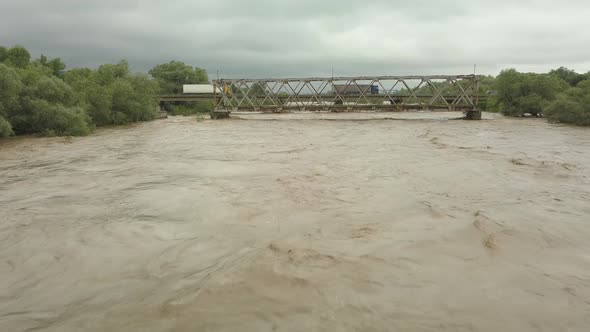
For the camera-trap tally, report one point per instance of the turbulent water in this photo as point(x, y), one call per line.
point(298, 223)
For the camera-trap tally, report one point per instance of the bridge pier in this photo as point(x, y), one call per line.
point(217, 115)
point(473, 115)
point(160, 112)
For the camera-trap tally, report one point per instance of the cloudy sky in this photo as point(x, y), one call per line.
point(276, 38)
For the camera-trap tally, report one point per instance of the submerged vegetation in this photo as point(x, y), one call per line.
point(39, 97)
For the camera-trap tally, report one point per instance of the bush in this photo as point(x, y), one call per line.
point(572, 107)
point(134, 99)
point(5, 128)
point(38, 97)
point(10, 89)
point(532, 104)
point(61, 120)
point(99, 104)
point(52, 89)
point(492, 105)
point(72, 121)
point(564, 110)
point(18, 56)
point(521, 93)
point(198, 107)
point(171, 76)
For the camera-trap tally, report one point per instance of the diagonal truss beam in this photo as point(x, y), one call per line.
point(450, 91)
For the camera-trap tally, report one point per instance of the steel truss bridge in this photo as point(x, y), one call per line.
point(341, 94)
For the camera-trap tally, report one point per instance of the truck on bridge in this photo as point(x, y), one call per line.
point(198, 88)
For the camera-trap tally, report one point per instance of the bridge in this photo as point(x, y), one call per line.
point(341, 94)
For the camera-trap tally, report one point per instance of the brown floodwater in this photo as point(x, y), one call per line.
point(301, 222)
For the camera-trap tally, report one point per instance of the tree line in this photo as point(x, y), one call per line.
point(562, 95)
point(39, 96)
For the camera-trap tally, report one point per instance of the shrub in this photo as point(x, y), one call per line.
point(521, 93)
point(38, 97)
point(59, 119)
point(572, 107)
point(198, 107)
point(5, 127)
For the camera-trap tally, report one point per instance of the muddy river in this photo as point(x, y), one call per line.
point(335, 222)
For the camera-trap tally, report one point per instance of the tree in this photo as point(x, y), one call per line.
point(107, 74)
point(5, 127)
point(487, 84)
point(42, 60)
point(112, 95)
point(48, 105)
point(568, 75)
point(257, 89)
point(54, 65)
point(97, 98)
point(3, 54)
point(532, 104)
point(572, 106)
point(18, 56)
point(35, 98)
point(10, 88)
point(171, 76)
point(134, 99)
point(521, 93)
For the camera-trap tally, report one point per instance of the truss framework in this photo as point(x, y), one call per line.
point(434, 92)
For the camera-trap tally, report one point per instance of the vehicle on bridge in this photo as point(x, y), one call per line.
point(198, 88)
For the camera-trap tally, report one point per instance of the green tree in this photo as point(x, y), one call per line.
point(54, 65)
point(257, 89)
point(10, 88)
point(112, 95)
point(134, 99)
point(521, 93)
point(171, 76)
point(97, 98)
point(42, 60)
point(5, 127)
point(572, 106)
point(487, 84)
point(107, 74)
point(3, 54)
point(18, 56)
point(48, 105)
point(568, 75)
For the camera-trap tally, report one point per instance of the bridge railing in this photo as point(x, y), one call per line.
point(449, 92)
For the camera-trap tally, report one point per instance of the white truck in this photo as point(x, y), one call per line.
point(198, 88)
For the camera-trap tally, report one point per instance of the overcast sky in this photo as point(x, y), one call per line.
point(276, 38)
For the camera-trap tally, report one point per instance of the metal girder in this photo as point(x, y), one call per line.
point(451, 92)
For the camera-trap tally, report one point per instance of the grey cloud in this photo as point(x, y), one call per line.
point(306, 37)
